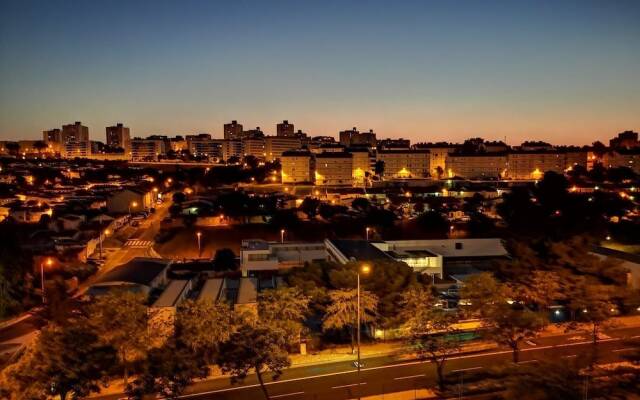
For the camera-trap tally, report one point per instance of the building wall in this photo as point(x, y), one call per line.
point(361, 166)
point(334, 169)
point(405, 164)
point(476, 166)
point(296, 168)
point(231, 148)
point(534, 165)
point(438, 158)
point(146, 149)
point(253, 147)
point(276, 145)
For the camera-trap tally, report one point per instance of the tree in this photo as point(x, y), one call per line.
point(261, 348)
point(434, 222)
point(310, 206)
point(284, 308)
point(224, 260)
point(65, 360)
point(13, 148)
point(168, 371)
point(361, 204)
point(39, 145)
point(120, 319)
point(416, 304)
point(437, 341)
point(439, 172)
point(591, 303)
point(540, 288)
point(203, 325)
point(379, 168)
point(342, 311)
point(179, 197)
point(506, 322)
point(546, 380)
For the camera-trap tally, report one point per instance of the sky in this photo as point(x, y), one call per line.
point(567, 72)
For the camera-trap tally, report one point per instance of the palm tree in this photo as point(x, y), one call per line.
point(342, 312)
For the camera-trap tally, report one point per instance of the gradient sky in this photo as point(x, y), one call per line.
point(561, 71)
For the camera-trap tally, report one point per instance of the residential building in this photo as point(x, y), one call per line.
point(394, 144)
point(438, 153)
point(254, 145)
point(73, 149)
point(297, 166)
point(276, 145)
point(334, 169)
point(362, 164)
point(532, 165)
point(233, 130)
point(130, 200)
point(285, 129)
point(231, 148)
point(147, 149)
point(354, 137)
point(74, 133)
point(177, 144)
point(404, 164)
point(476, 165)
point(203, 146)
point(118, 136)
point(625, 140)
point(52, 136)
point(621, 157)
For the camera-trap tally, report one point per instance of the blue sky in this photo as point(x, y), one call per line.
point(562, 71)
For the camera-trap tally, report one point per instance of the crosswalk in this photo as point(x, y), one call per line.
point(136, 243)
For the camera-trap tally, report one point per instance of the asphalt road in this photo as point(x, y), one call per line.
point(337, 381)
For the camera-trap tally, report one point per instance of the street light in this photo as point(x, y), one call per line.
point(367, 229)
point(281, 235)
point(49, 262)
point(364, 269)
point(199, 235)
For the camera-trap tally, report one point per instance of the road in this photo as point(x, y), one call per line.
point(337, 381)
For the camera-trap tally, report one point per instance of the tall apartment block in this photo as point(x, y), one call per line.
point(285, 129)
point(233, 130)
point(119, 136)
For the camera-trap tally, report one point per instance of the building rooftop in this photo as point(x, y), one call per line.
point(172, 293)
point(140, 271)
point(358, 249)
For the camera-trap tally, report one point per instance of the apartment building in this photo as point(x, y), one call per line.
point(362, 167)
point(285, 129)
point(231, 148)
point(404, 164)
point(533, 164)
point(274, 146)
point(118, 136)
point(297, 166)
point(334, 169)
point(476, 165)
point(147, 149)
point(254, 146)
point(622, 157)
point(232, 130)
point(203, 145)
point(73, 149)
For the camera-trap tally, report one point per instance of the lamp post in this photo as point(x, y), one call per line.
point(199, 235)
point(49, 262)
point(133, 204)
point(282, 235)
point(365, 270)
point(367, 229)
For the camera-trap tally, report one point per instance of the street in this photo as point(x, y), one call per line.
point(336, 381)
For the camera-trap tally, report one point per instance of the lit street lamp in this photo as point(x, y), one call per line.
point(365, 270)
point(281, 235)
point(49, 262)
point(199, 235)
point(133, 204)
point(367, 232)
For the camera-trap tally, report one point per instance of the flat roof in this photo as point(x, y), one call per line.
point(359, 249)
point(454, 248)
point(211, 290)
point(248, 291)
point(172, 294)
point(140, 271)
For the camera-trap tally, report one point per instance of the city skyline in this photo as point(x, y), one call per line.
point(424, 71)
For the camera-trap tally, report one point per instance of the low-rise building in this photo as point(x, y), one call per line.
point(621, 157)
point(130, 200)
point(260, 255)
point(139, 275)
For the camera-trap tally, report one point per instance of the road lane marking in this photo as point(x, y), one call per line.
point(527, 361)
point(466, 369)
point(383, 367)
point(285, 395)
point(571, 356)
point(346, 386)
point(627, 349)
point(530, 343)
point(635, 337)
point(408, 377)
